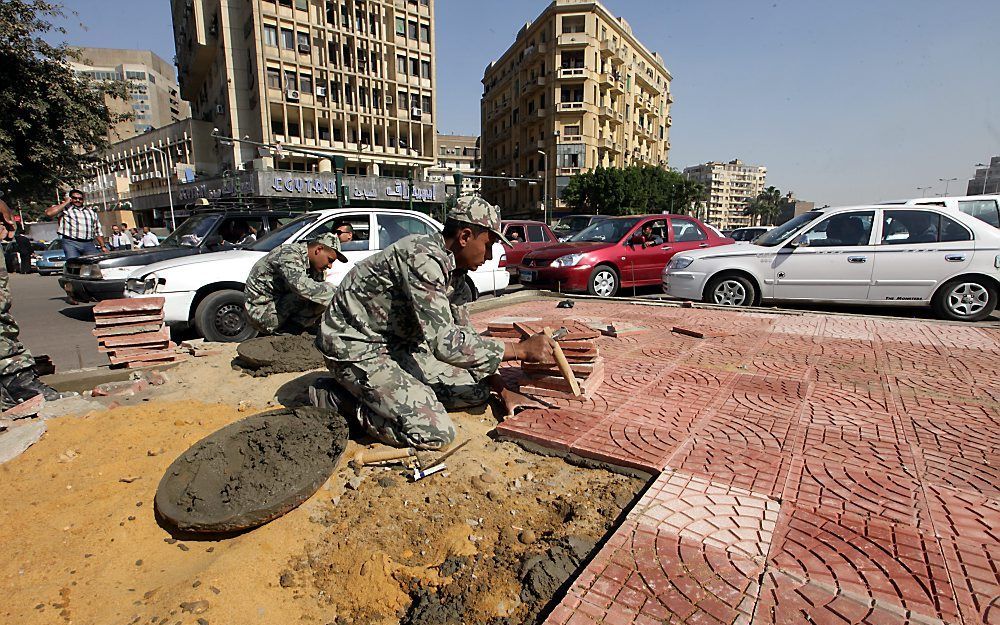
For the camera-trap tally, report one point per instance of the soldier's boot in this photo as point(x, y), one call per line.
point(24, 385)
point(328, 394)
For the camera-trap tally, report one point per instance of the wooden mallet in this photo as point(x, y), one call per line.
point(564, 367)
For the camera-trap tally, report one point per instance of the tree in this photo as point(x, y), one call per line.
point(51, 117)
point(633, 190)
point(766, 207)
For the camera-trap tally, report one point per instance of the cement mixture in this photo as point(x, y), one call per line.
point(252, 471)
point(486, 542)
point(285, 353)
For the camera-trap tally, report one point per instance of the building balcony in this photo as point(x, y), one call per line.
point(669, 97)
point(669, 121)
point(646, 80)
point(576, 73)
point(565, 107)
point(571, 139)
point(612, 50)
point(574, 40)
point(533, 84)
point(568, 171)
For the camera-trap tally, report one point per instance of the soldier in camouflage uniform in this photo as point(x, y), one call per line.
point(18, 381)
point(286, 290)
point(397, 337)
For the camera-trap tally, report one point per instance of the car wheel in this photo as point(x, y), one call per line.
point(221, 317)
point(730, 291)
point(603, 282)
point(965, 299)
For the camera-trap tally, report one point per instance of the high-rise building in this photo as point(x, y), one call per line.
point(154, 98)
point(353, 78)
point(456, 154)
point(986, 180)
point(577, 86)
point(729, 187)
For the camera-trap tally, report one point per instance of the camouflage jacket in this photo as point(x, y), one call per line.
point(408, 294)
point(286, 270)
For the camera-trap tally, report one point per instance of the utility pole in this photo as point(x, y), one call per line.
point(545, 187)
point(946, 182)
point(170, 193)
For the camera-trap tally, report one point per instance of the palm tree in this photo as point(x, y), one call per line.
point(766, 207)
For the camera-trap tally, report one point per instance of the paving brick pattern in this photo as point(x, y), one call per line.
point(809, 468)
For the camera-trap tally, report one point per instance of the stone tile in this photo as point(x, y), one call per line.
point(975, 572)
point(555, 429)
point(622, 441)
point(128, 305)
point(757, 471)
point(964, 515)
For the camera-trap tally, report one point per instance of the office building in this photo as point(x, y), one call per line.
point(576, 90)
point(153, 95)
point(456, 154)
point(729, 187)
point(986, 180)
point(347, 78)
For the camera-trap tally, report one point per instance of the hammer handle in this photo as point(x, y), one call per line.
point(564, 367)
point(371, 456)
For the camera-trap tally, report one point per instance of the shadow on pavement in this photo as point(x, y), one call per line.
point(79, 313)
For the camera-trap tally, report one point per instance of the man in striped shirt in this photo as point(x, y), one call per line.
point(79, 226)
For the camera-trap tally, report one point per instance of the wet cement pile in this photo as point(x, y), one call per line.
point(286, 353)
point(252, 471)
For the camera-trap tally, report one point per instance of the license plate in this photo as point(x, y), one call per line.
point(527, 276)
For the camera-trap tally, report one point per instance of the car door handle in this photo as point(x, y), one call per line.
point(665, 247)
point(955, 258)
point(857, 259)
point(703, 245)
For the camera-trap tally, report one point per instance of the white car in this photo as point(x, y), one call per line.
point(901, 255)
point(206, 291)
point(983, 207)
point(745, 235)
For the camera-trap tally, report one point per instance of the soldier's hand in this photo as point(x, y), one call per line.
point(538, 348)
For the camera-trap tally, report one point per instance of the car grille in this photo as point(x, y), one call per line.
point(530, 262)
point(72, 270)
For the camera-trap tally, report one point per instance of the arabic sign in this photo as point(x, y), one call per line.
point(215, 188)
point(284, 184)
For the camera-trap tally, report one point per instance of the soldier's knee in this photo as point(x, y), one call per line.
point(463, 396)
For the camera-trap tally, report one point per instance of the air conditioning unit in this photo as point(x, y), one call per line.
point(416, 112)
point(221, 110)
point(321, 92)
point(292, 95)
point(304, 48)
point(388, 99)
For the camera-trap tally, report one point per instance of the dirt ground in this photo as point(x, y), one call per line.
point(488, 541)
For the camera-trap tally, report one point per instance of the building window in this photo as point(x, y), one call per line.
point(414, 66)
point(400, 64)
point(271, 35)
point(425, 69)
point(335, 91)
point(400, 27)
point(425, 33)
point(570, 155)
point(306, 83)
point(403, 99)
point(293, 129)
point(277, 127)
point(411, 30)
point(303, 39)
point(287, 39)
point(425, 104)
point(273, 78)
point(302, 5)
point(574, 24)
point(291, 80)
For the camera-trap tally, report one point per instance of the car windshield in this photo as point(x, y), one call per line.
point(780, 234)
point(55, 245)
point(608, 230)
point(192, 232)
point(576, 222)
point(282, 234)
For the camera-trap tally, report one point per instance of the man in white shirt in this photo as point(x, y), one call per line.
point(148, 238)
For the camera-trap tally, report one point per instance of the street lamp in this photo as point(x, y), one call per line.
point(170, 193)
point(946, 182)
point(986, 175)
point(545, 187)
point(924, 190)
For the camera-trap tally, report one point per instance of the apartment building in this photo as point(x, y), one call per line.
point(576, 90)
point(986, 180)
point(154, 96)
point(456, 154)
point(353, 78)
point(729, 187)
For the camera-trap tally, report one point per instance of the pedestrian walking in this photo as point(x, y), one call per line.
point(79, 226)
point(24, 251)
point(128, 235)
point(148, 238)
point(120, 240)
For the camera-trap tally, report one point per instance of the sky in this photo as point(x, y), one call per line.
point(844, 102)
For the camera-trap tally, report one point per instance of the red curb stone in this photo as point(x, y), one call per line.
point(111, 321)
point(140, 338)
point(117, 306)
point(126, 328)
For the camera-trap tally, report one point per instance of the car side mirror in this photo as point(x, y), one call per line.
point(800, 241)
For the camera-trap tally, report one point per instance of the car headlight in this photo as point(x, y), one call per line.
point(144, 285)
point(91, 271)
point(678, 263)
point(569, 260)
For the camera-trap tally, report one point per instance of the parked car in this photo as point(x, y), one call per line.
point(741, 235)
point(574, 224)
point(206, 291)
point(102, 276)
point(612, 254)
point(894, 255)
point(983, 207)
point(530, 236)
point(50, 259)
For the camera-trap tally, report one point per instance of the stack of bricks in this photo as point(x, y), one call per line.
point(578, 345)
point(132, 332)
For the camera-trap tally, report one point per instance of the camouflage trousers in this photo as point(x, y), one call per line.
point(289, 313)
point(14, 356)
point(405, 396)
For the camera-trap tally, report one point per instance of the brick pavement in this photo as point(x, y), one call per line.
point(809, 468)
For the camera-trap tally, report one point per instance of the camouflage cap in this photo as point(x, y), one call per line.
point(332, 241)
point(472, 209)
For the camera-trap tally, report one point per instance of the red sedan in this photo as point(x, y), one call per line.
point(615, 253)
point(526, 236)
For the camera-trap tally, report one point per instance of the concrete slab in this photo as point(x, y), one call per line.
point(16, 439)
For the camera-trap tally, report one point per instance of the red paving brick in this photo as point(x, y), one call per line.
point(812, 469)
